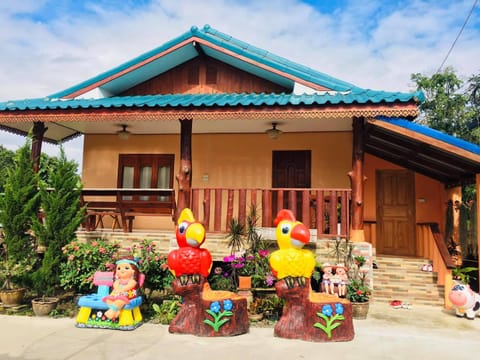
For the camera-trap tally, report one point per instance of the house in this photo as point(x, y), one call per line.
point(218, 124)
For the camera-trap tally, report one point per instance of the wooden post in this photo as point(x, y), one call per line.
point(184, 176)
point(477, 183)
point(357, 178)
point(38, 131)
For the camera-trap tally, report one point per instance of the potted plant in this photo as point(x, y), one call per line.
point(255, 309)
point(358, 292)
point(11, 294)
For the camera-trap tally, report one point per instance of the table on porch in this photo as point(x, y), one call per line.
point(123, 204)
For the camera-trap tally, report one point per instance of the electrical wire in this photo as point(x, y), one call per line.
point(458, 36)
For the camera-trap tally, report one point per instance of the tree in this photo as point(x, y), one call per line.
point(444, 108)
point(473, 106)
point(7, 161)
point(19, 205)
point(62, 217)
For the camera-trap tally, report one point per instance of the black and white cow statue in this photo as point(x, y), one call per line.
point(465, 301)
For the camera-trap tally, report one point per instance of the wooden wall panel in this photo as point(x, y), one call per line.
point(181, 80)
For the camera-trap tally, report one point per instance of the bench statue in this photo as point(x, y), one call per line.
point(307, 315)
point(116, 304)
point(204, 312)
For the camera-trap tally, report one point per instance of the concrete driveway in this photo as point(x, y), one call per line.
point(417, 333)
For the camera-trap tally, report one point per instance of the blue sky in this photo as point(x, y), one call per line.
point(50, 45)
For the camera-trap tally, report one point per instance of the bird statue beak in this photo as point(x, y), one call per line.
point(300, 235)
point(195, 235)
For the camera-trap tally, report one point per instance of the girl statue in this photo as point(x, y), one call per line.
point(124, 287)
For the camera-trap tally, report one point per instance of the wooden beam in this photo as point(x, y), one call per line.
point(357, 178)
point(38, 131)
point(184, 176)
point(477, 178)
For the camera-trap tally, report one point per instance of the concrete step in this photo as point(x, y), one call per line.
point(401, 278)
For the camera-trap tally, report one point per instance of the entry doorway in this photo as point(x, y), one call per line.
point(396, 213)
point(291, 169)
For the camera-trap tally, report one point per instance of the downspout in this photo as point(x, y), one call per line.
point(356, 179)
point(38, 131)
point(184, 176)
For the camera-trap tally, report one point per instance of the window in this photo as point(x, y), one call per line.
point(146, 171)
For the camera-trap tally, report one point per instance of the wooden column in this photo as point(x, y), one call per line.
point(477, 183)
point(38, 131)
point(184, 176)
point(357, 178)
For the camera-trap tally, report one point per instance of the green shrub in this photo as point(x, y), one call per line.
point(154, 265)
point(82, 260)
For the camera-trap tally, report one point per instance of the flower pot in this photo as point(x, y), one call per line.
point(44, 305)
point(244, 282)
point(12, 297)
point(360, 310)
point(255, 317)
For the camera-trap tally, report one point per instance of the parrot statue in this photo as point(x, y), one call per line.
point(189, 261)
point(291, 262)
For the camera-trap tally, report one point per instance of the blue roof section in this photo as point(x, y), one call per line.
point(229, 43)
point(358, 96)
point(435, 134)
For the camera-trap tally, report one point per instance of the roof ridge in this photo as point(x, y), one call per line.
point(222, 40)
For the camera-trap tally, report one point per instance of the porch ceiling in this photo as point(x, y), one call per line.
point(446, 161)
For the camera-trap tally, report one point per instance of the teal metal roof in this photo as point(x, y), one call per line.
point(217, 45)
point(357, 96)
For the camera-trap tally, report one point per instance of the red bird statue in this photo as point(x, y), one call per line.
point(189, 261)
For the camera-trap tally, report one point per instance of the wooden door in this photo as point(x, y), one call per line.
point(291, 169)
point(396, 213)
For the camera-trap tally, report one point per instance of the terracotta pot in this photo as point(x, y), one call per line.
point(12, 297)
point(44, 305)
point(244, 282)
point(360, 310)
point(255, 317)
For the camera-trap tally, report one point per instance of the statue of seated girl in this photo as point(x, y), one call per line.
point(124, 287)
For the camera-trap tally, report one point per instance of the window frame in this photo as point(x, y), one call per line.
point(137, 161)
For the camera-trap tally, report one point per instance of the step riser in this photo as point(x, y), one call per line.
point(402, 279)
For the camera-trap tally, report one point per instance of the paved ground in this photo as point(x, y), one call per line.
point(419, 333)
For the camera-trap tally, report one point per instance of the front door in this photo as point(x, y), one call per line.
point(396, 212)
point(291, 169)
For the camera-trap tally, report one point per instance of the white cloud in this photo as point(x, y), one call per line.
point(374, 44)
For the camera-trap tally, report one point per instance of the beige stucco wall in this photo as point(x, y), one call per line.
point(222, 160)
point(245, 160)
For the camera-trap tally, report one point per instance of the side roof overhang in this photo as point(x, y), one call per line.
point(430, 152)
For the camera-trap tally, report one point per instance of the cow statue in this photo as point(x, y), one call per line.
point(465, 301)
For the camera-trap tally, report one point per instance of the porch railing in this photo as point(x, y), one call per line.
point(430, 245)
point(326, 210)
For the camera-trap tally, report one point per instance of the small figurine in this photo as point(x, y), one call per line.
point(465, 301)
point(124, 287)
point(328, 286)
point(340, 279)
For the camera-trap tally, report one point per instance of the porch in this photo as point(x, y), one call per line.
point(327, 211)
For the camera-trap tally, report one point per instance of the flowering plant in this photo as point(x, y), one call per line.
point(153, 265)
point(83, 260)
point(357, 289)
point(255, 265)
